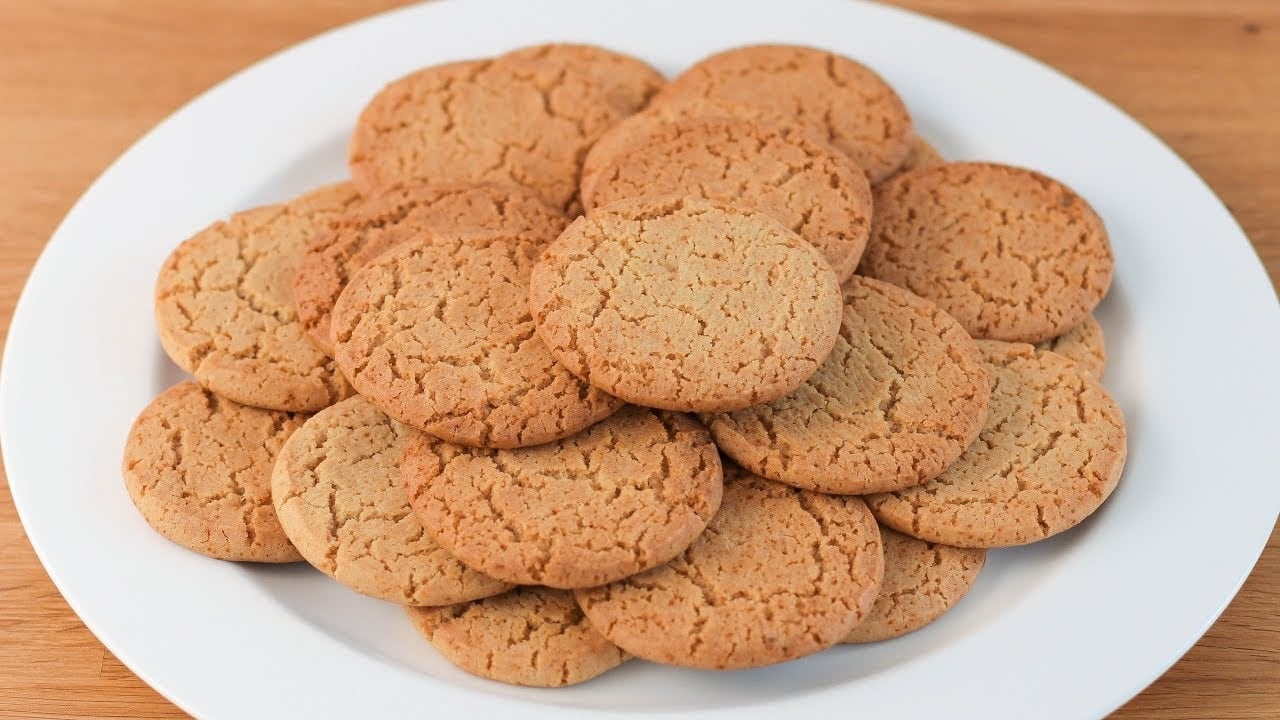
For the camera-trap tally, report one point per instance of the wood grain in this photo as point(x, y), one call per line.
point(82, 79)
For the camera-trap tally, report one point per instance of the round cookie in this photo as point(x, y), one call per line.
point(1012, 254)
point(198, 467)
point(336, 488)
point(1052, 451)
point(686, 304)
point(921, 582)
point(844, 102)
point(1083, 343)
point(380, 223)
point(624, 496)
point(804, 184)
point(901, 396)
point(779, 573)
point(921, 155)
point(526, 118)
point(534, 636)
point(225, 313)
point(437, 333)
point(628, 83)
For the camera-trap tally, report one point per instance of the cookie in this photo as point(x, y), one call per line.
point(533, 636)
point(225, 312)
point(1012, 254)
point(921, 582)
point(845, 102)
point(1052, 451)
point(198, 467)
point(526, 118)
point(901, 396)
point(686, 304)
point(804, 184)
point(921, 155)
point(628, 83)
point(336, 488)
point(626, 495)
point(779, 573)
point(380, 223)
point(1084, 344)
point(437, 333)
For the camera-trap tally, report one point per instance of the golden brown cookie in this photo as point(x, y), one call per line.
point(199, 469)
point(901, 396)
point(921, 155)
point(627, 82)
point(686, 304)
point(225, 313)
point(337, 491)
point(845, 102)
point(626, 495)
point(779, 573)
point(1052, 451)
point(380, 223)
point(526, 118)
point(1012, 254)
point(437, 333)
point(533, 636)
point(921, 582)
point(1083, 343)
point(804, 184)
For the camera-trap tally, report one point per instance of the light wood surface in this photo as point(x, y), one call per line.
point(82, 79)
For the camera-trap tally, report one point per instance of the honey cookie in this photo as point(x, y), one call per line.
point(922, 581)
point(533, 636)
point(378, 224)
point(225, 312)
point(921, 155)
point(844, 102)
point(336, 488)
point(901, 396)
point(628, 83)
point(1012, 254)
point(437, 333)
point(1052, 451)
point(526, 118)
point(686, 304)
point(806, 185)
point(1084, 344)
point(199, 469)
point(627, 495)
point(778, 574)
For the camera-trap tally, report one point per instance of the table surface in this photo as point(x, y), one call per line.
point(80, 80)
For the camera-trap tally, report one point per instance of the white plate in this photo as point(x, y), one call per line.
point(1067, 628)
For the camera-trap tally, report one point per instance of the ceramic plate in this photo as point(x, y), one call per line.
point(1070, 627)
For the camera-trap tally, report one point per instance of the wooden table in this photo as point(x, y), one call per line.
point(82, 79)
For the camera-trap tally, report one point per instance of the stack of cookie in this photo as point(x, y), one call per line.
point(781, 386)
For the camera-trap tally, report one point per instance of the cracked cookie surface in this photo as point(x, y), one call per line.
point(225, 312)
point(525, 118)
point(922, 581)
point(1012, 254)
point(844, 102)
point(1084, 344)
point(809, 187)
point(1051, 452)
point(534, 636)
point(337, 491)
point(901, 396)
point(198, 467)
point(377, 224)
point(624, 496)
point(686, 304)
point(778, 574)
point(438, 334)
point(920, 155)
